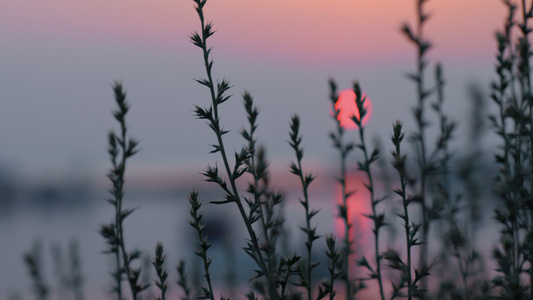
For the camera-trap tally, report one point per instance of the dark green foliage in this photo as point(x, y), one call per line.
point(121, 148)
point(412, 229)
point(419, 112)
point(364, 165)
point(162, 274)
point(451, 207)
point(305, 180)
point(182, 281)
point(67, 269)
point(287, 268)
point(327, 287)
point(266, 204)
point(429, 185)
point(514, 182)
point(344, 149)
point(204, 245)
point(458, 233)
point(33, 260)
point(211, 114)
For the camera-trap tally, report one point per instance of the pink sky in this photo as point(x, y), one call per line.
point(305, 31)
point(59, 58)
point(85, 45)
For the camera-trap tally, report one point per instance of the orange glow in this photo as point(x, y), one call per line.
point(347, 109)
point(358, 204)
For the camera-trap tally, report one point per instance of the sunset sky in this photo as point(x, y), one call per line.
point(59, 59)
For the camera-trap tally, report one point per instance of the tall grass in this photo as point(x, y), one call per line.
point(419, 138)
point(365, 165)
point(121, 148)
point(432, 209)
point(513, 123)
point(344, 148)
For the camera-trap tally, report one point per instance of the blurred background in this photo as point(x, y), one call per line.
point(59, 58)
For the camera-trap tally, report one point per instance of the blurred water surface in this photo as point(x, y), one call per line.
point(50, 217)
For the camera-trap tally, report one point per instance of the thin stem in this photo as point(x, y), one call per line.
point(120, 218)
point(333, 257)
point(33, 262)
point(182, 281)
point(200, 40)
point(114, 233)
point(347, 250)
point(344, 149)
point(374, 212)
point(399, 165)
point(529, 101)
point(422, 45)
point(257, 167)
point(365, 166)
point(421, 132)
point(118, 275)
point(161, 272)
point(196, 223)
point(305, 181)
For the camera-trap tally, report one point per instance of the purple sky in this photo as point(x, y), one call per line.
point(59, 59)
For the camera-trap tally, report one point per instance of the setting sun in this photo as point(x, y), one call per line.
point(347, 109)
point(358, 206)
